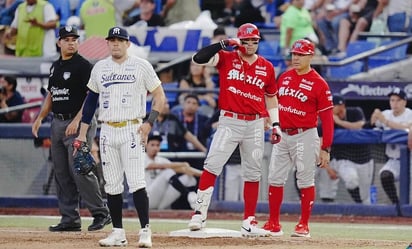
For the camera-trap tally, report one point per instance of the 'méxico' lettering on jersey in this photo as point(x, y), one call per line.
point(113, 78)
point(285, 90)
point(235, 74)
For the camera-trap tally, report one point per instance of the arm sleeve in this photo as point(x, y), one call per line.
point(327, 127)
point(206, 53)
point(90, 105)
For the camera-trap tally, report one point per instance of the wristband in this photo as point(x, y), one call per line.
point(152, 117)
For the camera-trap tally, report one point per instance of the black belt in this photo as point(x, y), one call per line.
point(64, 116)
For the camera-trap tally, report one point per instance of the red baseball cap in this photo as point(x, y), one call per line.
point(303, 46)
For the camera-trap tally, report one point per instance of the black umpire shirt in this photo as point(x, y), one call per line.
point(68, 84)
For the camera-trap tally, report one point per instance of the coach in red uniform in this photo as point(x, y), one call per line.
point(247, 96)
point(303, 95)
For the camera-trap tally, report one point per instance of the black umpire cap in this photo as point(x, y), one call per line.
point(398, 92)
point(338, 100)
point(117, 32)
point(67, 31)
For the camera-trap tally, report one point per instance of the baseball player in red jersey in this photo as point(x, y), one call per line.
point(247, 96)
point(303, 95)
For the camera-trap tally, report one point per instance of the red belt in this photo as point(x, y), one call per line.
point(294, 131)
point(248, 117)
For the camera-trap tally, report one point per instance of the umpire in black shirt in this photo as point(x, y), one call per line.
point(67, 90)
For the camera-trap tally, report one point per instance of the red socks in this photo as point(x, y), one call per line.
point(250, 195)
point(307, 198)
point(207, 180)
point(275, 201)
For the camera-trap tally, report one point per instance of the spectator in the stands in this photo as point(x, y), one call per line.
point(360, 19)
point(192, 118)
point(34, 22)
point(147, 14)
point(296, 23)
point(7, 11)
point(328, 23)
point(199, 78)
point(397, 117)
point(62, 8)
point(98, 16)
point(9, 97)
point(175, 135)
point(175, 11)
point(247, 11)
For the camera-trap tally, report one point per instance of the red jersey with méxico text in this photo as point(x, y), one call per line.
point(301, 98)
point(242, 86)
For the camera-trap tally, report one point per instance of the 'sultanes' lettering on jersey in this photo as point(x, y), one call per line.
point(114, 78)
point(235, 74)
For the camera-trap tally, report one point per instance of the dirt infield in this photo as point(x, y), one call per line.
point(20, 238)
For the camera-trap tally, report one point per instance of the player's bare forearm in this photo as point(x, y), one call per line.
point(83, 132)
point(159, 99)
point(45, 109)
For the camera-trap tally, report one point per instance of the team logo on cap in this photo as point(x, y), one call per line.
point(68, 28)
point(249, 30)
point(298, 45)
point(116, 31)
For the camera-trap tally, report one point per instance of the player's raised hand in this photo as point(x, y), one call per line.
point(235, 43)
point(275, 137)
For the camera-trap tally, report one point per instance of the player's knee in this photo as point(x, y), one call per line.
point(352, 182)
point(387, 177)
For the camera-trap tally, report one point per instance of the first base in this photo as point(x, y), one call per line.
point(205, 233)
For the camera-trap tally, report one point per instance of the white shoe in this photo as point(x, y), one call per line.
point(191, 199)
point(145, 240)
point(116, 238)
point(197, 222)
point(250, 228)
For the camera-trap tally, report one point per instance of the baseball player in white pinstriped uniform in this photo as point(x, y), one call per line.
point(120, 84)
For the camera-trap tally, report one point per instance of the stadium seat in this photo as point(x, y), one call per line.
point(388, 56)
point(358, 47)
point(269, 49)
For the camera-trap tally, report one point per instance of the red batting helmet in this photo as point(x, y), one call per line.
point(248, 30)
point(303, 46)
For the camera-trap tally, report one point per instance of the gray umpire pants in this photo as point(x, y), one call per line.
point(69, 185)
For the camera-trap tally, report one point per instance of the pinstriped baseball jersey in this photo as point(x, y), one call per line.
point(122, 89)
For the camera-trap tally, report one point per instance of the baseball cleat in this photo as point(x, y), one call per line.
point(250, 229)
point(145, 239)
point(273, 229)
point(116, 238)
point(301, 230)
point(197, 222)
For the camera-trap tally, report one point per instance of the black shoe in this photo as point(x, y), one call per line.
point(99, 222)
point(65, 227)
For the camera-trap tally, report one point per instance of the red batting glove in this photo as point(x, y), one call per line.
point(275, 136)
point(235, 43)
